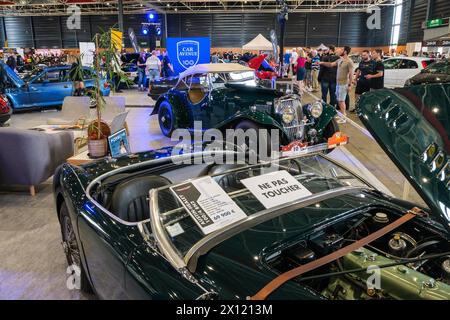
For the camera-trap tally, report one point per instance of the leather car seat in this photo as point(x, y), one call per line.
point(130, 198)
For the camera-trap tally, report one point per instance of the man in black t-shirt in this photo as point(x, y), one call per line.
point(141, 70)
point(167, 68)
point(377, 77)
point(328, 75)
point(366, 67)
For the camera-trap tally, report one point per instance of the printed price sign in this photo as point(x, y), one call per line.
point(276, 188)
point(208, 204)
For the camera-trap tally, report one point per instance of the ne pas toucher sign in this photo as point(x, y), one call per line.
point(276, 188)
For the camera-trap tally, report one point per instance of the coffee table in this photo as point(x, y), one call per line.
point(79, 133)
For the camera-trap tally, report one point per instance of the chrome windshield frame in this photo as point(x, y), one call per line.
point(189, 260)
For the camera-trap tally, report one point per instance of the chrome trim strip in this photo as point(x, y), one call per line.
point(213, 239)
point(163, 242)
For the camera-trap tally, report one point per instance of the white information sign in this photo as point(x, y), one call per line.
point(276, 188)
point(87, 51)
point(208, 204)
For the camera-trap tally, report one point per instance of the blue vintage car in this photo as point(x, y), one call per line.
point(45, 87)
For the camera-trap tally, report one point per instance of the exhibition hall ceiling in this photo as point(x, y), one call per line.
point(60, 7)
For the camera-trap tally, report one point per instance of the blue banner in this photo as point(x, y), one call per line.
point(187, 52)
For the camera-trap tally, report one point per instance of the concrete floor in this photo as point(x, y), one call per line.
point(32, 262)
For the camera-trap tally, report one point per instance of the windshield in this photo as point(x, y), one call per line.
point(244, 77)
point(438, 67)
point(315, 173)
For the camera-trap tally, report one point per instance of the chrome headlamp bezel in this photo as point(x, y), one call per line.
point(316, 109)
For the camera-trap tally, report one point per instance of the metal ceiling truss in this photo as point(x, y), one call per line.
point(105, 7)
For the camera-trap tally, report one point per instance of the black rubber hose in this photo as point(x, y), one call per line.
point(420, 247)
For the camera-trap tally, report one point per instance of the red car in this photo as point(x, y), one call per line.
point(5, 110)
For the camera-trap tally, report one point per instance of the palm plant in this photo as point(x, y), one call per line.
point(106, 65)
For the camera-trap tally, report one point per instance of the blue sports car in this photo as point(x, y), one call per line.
point(46, 87)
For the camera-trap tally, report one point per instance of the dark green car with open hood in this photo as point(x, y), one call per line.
point(226, 96)
point(162, 225)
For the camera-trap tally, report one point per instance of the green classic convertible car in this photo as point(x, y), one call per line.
point(226, 96)
point(150, 226)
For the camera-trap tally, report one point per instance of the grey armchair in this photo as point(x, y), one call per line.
point(29, 157)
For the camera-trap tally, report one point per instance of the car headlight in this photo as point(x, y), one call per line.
point(287, 115)
point(316, 109)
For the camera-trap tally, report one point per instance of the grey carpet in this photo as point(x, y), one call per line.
point(32, 261)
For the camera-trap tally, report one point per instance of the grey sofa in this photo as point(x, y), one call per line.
point(29, 157)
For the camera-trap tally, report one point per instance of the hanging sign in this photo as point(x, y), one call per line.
point(116, 39)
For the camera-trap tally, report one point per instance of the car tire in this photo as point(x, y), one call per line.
point(71, 249)
point(250, 125)
point(166, 118)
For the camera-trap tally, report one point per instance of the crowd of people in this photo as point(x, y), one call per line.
point(30, 60)
point(331, 71)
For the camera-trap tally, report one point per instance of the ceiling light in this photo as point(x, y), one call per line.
point(168, 4)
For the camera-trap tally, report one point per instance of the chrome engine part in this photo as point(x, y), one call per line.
point(398, 282)
point(410, 263)
point(397, 246)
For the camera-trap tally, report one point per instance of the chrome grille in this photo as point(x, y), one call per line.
point(294, 130)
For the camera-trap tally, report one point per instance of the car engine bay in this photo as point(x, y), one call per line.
point(412, 262)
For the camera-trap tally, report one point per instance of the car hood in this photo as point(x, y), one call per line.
point(241, 259)
point(14, 77)
point(256, 62)
point(424, 78)
point(412, 126)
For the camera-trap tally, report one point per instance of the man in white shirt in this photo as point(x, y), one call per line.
point(153, 66)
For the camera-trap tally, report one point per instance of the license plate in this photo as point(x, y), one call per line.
point(294, 146)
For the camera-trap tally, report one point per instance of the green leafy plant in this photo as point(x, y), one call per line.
point(106, 65)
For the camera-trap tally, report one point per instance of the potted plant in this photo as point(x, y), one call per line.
point(107, 64)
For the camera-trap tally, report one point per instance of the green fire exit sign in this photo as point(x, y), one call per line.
point(435, 23)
